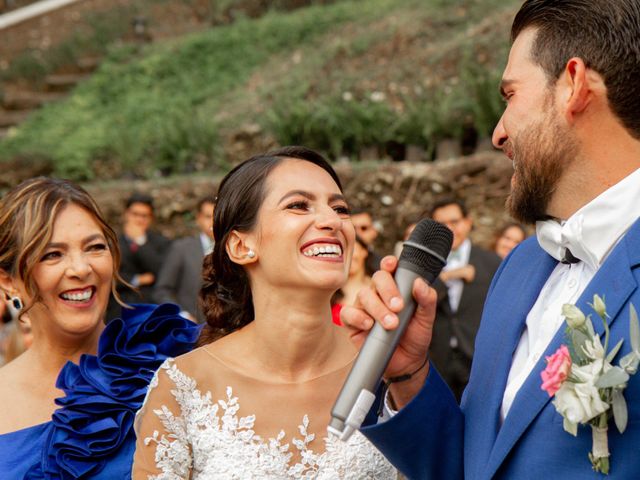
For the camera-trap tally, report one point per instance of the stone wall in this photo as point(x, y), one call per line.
point(395, 193)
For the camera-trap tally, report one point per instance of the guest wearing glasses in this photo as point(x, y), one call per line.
point(143, 253)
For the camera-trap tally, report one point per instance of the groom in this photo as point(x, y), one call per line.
point(571, 127)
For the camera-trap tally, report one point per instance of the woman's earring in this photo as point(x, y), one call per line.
point(251, 254)
point(16, 302)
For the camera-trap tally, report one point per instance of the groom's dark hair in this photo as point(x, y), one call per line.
point(605, 34)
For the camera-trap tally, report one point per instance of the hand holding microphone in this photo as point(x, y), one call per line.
point(423, 256)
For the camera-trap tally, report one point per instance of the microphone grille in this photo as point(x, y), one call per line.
point(426, 250)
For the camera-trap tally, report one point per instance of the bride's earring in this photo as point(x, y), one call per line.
point(251, 254)
point(16, 302)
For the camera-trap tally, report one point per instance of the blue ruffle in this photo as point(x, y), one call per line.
point(94, 427)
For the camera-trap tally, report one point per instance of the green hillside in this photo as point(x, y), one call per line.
point(340, 78)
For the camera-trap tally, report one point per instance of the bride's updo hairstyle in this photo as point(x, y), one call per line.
point(226, 294)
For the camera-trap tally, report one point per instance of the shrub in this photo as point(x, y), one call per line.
point(155, 109)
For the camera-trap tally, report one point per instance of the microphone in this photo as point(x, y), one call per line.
point(423, 255)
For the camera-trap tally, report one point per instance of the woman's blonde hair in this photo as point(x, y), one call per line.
point(27, 216)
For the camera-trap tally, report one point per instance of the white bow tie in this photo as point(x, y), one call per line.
point(564, 242)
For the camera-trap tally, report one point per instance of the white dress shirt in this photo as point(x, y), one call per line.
point(207, 243)
point(457, 259)
point(590, 234)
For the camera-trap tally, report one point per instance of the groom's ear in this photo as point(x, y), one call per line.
point(577, 87)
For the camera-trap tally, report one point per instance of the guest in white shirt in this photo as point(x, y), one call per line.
point(462, 288)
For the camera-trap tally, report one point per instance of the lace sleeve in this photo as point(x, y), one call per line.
point(163, 450)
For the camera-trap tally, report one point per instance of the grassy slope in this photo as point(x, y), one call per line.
point(169, 107)
point(436, 70)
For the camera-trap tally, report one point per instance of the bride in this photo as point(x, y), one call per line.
point(254, 400)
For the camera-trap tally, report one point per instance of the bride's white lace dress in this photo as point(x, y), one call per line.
point(203, 419)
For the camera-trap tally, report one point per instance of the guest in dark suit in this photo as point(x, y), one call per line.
point(143, 252)
point(462, 288)
point(180, 277)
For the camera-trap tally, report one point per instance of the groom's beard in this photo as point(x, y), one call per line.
point(541, 152)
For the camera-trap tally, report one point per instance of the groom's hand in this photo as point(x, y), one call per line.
point(381, 302)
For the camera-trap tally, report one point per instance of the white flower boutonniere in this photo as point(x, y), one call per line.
point(587, 388)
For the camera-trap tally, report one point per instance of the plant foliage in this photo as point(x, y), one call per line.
point(307, 77)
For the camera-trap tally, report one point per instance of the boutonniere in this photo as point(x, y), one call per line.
point(587, 388)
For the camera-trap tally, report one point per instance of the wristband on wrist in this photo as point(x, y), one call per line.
point(400, 378)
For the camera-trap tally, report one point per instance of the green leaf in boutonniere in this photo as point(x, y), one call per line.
point(631, 360)
point(591, 332)
point(613, 377)
point(620, 414)
point(579, 331)
point(614, 351)
point(634, 330)
point(577, 344)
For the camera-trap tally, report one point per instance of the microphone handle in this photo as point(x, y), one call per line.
point(358, 392)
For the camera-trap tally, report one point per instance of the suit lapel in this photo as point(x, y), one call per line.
point(615, 281)
point(503, 320)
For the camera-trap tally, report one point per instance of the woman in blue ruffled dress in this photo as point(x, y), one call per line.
point(69, 401)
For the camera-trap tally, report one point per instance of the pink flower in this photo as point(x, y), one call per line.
point(557, 371)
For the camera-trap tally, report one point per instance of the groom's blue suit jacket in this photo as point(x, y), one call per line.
point(433, 438)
